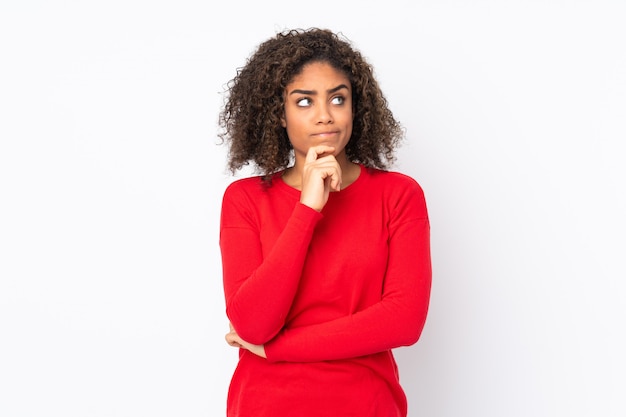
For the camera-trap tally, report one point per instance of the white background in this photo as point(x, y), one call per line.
point(111, 178)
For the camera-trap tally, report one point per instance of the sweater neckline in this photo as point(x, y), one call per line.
point(278, 181)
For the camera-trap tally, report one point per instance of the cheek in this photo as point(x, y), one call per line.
point(349, 119)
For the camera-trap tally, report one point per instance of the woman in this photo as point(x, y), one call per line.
point(325, 255)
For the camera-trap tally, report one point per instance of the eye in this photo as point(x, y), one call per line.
point(303, 102)
point(338, 100)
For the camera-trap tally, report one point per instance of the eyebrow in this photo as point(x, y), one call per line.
point(313, 92)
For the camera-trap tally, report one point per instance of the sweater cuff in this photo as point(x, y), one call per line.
point(306, 215)
point(272, 351)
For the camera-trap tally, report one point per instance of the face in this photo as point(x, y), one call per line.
point(318, 110)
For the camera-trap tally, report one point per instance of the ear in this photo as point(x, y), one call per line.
point(283, 120)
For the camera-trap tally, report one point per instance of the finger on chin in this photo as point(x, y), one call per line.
point(317, 152)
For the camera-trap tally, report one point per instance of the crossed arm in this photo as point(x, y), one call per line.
point(396, 320)
point(258, 301)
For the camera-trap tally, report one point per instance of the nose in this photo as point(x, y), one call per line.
point(324, 114)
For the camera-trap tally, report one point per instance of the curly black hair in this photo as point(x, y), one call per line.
point(254, 102)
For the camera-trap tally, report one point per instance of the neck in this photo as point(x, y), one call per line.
point(349, 172)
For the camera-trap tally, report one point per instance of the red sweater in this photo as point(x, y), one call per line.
point(329, 294)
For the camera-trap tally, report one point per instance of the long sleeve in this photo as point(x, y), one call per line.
point(396, 320)
point(328, 294)
point(260, 288)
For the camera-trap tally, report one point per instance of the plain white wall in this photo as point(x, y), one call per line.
point(111, 179)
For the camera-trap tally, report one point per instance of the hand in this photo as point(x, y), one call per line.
point(321, 174)
point(233, 339)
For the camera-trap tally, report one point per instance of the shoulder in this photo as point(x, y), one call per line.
point(393, 180)
point(250, 187)
point(242, 192)
point(401, 192)
point(238, 201)
point(249, 184)
point(255, 192)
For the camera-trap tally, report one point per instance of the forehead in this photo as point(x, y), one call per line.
point(320, 74)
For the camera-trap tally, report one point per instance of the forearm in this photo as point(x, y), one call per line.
point(397, 319)
point(380, 327)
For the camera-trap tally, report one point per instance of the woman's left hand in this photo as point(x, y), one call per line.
point(233, 339)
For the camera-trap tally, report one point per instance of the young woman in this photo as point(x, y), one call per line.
point(325, 255)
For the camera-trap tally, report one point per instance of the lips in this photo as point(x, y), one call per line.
point(326, 134)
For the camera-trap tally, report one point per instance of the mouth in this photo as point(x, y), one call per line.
point(324, 135)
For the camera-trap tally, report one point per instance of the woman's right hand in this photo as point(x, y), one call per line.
point(234, 340)
point(321, 174)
